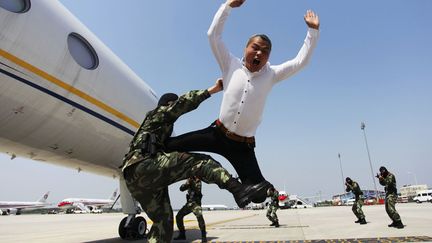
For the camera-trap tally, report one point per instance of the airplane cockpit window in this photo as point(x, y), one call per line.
point(82, 52)
point(16, 6)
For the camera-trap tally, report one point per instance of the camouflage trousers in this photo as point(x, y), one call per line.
point(357, 208)
point(271, 213)
point(187, 209)
point(390, 202)
point(148, 182)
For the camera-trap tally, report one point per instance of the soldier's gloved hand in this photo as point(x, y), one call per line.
point(183, 187)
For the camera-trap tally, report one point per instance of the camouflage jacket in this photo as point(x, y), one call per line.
point(160, 122)
point(389, 183)
point(274, 197)
point(194, 190)
point(355, 188)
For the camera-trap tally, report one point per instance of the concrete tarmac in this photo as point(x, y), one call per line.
point(324, 224)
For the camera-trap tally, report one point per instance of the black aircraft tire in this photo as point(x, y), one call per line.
point(122, 230)
point(139, 226)
point(136, 230)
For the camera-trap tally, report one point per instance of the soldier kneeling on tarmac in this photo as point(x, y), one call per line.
point(148, 169)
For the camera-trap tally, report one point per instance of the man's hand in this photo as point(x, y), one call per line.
point(235, 3)
point(217, 87)
point(312, 19)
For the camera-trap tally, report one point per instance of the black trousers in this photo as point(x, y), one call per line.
point(211, 139)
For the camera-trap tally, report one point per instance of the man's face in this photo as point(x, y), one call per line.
point(384, 173)
point(257, 53)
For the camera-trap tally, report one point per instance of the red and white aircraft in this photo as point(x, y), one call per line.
point(87, 205)
point(15, 207)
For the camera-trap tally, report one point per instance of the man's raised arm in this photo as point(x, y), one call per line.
point(289, 68)
point(214, 33)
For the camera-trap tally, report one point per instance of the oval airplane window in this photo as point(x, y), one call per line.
point(16, 6)
point(82, 52)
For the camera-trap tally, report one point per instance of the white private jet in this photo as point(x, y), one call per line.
point(65, 98)
point(14, 207)
point(86, 204)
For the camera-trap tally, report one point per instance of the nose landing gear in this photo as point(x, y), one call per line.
point(132, 228)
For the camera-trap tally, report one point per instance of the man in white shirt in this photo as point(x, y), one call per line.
point(246, 83)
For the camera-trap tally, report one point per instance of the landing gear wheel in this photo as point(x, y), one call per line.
point(122, 230)
point(139, 227)
point(135, 230)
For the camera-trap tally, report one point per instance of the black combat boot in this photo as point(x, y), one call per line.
point(363, 221)
point(357, 221)
point(398, 224)
point(276, 224)
point(203, 236)
point(181, 236)
point(273, 224)
point(243, 194)
point(392, 224)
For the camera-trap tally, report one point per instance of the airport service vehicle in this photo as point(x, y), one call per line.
point(423, 196)
point(87, 205)
point(297, 202)
point(66, 98)
point(14, 207)
point(350, 202)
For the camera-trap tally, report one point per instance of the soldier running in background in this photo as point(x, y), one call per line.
point(273, 207)
point(148, 169)
point(357, 206)
point(193, 204)
point(388, 180)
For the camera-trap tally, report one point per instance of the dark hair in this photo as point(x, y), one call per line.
point(263, 37)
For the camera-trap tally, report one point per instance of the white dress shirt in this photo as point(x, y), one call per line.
point(245, 93)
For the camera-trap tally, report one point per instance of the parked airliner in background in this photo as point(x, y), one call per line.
point(65, 98)
point(11, 207)
point(211, 207)
point(87, 205)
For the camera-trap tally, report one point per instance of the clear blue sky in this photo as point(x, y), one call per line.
point(372, 64)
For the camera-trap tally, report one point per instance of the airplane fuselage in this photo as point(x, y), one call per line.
point(21, 205)
point(54, 109)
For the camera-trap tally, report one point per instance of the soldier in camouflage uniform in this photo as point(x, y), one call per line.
point(193, 204)
point(149, 170)
point(273, 207)
point(388, 180)
point(357, 206)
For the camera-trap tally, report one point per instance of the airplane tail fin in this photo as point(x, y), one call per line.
point(44, 197)
point(114, 195)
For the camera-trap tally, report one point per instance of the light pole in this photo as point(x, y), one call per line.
point(415, 177)
point(343, 180)
point(362, 126)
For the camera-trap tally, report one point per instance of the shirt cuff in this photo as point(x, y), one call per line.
point(313, 32)
point(227, 7)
